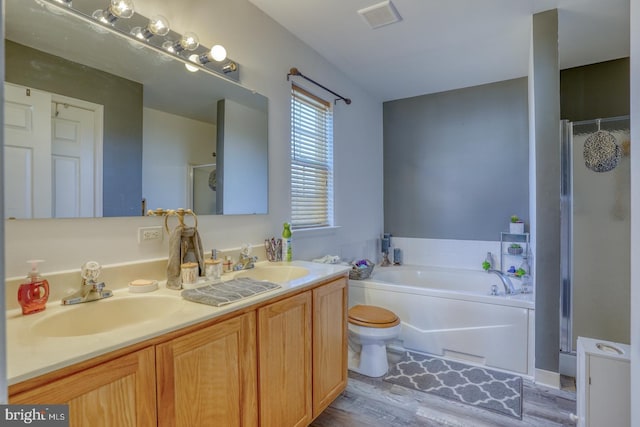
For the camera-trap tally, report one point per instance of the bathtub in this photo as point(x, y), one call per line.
point(450, 313)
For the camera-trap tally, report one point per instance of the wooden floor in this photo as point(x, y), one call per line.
point(372, 402)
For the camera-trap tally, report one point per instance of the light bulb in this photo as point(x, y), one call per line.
point(139, 33)
point(189, 41)
point(122, 8)
point(158, 25)
point(193, 58)
point(117, 9)
point(100, 15)
point(218, 53)
point(169, 46)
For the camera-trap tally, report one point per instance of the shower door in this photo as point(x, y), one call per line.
point(595, 233)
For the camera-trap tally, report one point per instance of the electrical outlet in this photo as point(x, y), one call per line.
point(146, 234)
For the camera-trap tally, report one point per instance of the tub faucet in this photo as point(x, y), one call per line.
point(509, 289)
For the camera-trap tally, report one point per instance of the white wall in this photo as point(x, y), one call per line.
point(635, 211)
point(242, 158)
point(265, 52)
point(169, 144)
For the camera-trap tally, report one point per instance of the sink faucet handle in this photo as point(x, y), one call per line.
point(245, 250)
point(98, 287)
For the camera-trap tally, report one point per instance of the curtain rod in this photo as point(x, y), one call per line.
point(295, 72)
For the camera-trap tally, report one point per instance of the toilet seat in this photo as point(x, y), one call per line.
point(372, 317)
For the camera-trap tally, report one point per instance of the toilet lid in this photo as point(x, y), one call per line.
point(372, 316)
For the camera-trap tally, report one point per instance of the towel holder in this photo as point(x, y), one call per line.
point(180, 213)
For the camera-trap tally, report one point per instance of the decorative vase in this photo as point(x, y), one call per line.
point(516, 227)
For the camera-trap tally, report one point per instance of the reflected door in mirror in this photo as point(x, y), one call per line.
point(52, 146)
point(27, 152)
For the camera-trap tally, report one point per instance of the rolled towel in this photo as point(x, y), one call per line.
point(173, 265)
point(328, 259)
point(184, 246)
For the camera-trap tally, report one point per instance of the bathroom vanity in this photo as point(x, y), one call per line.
point(277, 359)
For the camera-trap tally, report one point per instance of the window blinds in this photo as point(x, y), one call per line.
point(311, 160)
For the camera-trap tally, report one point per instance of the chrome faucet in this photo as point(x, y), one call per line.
point(509, 289)
point(90, 290)
point(245, 262)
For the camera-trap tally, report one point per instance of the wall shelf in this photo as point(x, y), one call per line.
point(510, 259)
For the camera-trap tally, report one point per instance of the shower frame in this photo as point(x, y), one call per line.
point(566, 228)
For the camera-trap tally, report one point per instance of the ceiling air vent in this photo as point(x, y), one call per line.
point(381, 14)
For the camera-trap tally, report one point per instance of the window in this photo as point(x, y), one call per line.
point(311, 160)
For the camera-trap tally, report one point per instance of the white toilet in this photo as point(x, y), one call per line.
point(370, 328)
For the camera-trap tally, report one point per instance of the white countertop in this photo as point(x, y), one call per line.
point(30, 355)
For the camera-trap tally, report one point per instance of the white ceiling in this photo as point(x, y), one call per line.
point(447, 44)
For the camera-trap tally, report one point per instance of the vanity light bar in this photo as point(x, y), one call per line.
point(120, 18)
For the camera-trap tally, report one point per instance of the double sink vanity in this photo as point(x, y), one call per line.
point(154, 359)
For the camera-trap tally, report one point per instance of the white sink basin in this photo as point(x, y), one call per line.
point(274, 273)
point(105, 315)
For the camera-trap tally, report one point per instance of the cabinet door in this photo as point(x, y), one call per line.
point(117, 393)
point(208, 377)
point(329, 343)
point(608, 392)
point(284, 339)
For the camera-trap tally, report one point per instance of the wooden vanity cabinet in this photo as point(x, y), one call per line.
point(113, 394)
point(302, 343)
point(279, 365)
point(329, 343)
point(208, 377)
point(284, 340)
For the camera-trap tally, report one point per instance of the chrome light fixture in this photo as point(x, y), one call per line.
point(156, 33)
point(117, 9)
point(157, 26)
point(189, 42)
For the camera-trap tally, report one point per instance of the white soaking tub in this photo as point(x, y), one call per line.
point(450, 313)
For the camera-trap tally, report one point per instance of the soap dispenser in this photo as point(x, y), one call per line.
point(34, 293)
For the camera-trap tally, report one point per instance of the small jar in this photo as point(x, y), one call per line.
point(189, 273)
point(228, 264)
point(213, 269)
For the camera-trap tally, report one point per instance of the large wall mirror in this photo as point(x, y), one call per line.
point(100, 125)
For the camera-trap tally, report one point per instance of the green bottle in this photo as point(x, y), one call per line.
point(287, 253)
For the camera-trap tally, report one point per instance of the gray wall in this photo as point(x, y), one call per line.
point(595, 91)
point(122, 101)
point(456, 163)
point(546, 92)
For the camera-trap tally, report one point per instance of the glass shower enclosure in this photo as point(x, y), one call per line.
point(595, 226)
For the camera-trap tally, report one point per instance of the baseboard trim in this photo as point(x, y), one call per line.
point(547, 378)
point(568, 364)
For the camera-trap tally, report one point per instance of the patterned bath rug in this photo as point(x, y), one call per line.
point(484, 388)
